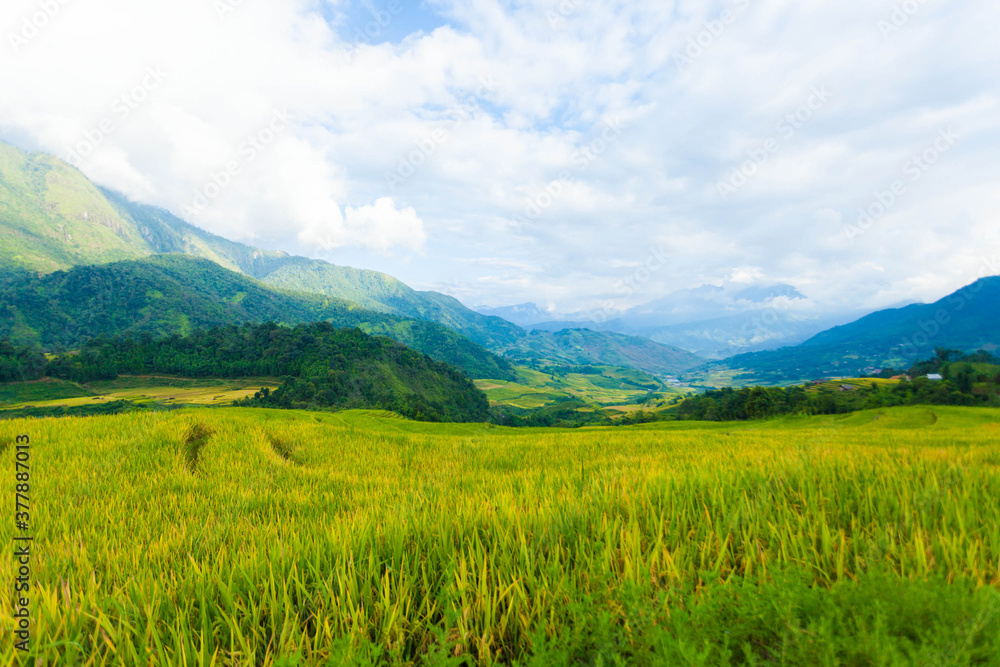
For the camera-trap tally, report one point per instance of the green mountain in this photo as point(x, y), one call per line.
point(177, 294)
point(582, 347)
point(52, 218)
point(967, 320)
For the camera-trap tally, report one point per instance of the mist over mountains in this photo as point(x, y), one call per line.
point(713, 321)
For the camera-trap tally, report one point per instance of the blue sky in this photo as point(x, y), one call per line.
point(543, 150)
point(379, 21)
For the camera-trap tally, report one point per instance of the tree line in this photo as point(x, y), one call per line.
point(967, 379)
point(319, 367)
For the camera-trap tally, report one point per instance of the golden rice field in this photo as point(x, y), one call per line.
point(257, 537)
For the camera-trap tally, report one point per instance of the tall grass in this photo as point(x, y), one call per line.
point(378, 540)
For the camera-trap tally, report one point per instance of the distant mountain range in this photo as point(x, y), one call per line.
point(966, 320)
point(585, 347)
point(712, 321)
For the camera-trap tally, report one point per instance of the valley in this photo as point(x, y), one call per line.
point(496, 333)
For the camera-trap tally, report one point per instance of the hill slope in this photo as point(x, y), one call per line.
point(174, 294)
point(51, 217)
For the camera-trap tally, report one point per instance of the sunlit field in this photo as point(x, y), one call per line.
point(256, 537)
point(141, 390)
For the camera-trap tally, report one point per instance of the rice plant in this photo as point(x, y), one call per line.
point(364, 538)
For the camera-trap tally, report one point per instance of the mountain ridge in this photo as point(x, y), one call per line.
point(968, 319)
point(175, 294)
point(52, 217)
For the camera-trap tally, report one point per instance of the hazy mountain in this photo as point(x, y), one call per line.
point(583, 347)
point(715, 321)
point(752, 330)
point(967, 320)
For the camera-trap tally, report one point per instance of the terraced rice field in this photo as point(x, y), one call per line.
point(258, 537)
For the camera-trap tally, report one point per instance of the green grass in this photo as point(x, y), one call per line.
point(259, 537)
point(613, 387)
point(140, 389)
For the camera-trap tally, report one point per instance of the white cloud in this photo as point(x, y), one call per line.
point(383, 226)
point(357, 110)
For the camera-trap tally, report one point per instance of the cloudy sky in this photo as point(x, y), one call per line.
point(575, 153)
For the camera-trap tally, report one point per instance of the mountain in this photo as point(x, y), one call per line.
point(751, 330)
point(714, 321)
point(966, 320)
point(177, 294)
point(372, 290)
point(52, 218)
point(581, 347)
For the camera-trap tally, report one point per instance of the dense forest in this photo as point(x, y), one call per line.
point(320, 366)
point(165, 295)
point(972, 379)
point(19, 364)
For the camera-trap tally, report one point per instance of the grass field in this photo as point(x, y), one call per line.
point(257, 537)
point(613, 387)
point(140, 389)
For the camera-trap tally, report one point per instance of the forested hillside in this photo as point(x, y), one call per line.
point(965, 379)
point(322, 367)
point(174, 294)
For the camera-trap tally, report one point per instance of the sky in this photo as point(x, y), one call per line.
point(579, 154)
